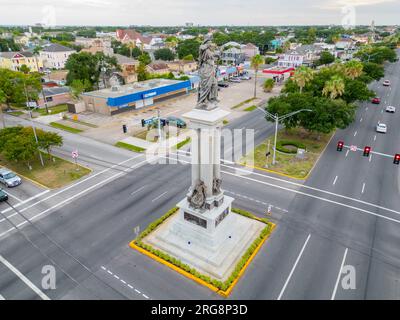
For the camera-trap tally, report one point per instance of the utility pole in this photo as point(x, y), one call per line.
point(277, 119)
point(159, 125)
point(33, 125)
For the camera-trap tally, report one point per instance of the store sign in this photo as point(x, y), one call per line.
point(149, 95)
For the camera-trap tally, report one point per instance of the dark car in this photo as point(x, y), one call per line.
point(173, 121)
point(3, 196)
point(223, 85)
point(376, 100)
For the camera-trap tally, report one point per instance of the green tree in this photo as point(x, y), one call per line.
point(20, 148)
point(164, 54)
point(269, 84)
point(325, 58)
point(145, 58)
point(24, 69)
point(187, 47)
point(353, 69)
point(302, 76)
point(256, 62)
point(189, 57)
point(78, 87)
point(373, 70)
point(334, 87)
point(48, 140)
point(142, 72)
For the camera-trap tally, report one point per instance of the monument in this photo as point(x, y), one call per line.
point(205, 233)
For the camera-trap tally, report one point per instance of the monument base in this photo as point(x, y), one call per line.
point(212, 251)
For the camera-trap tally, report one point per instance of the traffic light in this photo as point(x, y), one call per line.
point(124, 128)
point(143, 123)
point(397, 159)
point(367, 151)
point(340, 146)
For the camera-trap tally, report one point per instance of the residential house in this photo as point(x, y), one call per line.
point(14, 61)
point(132, 36)
point(54, 96)
point(250, 50)
point(303, 55)
point(55, 56)
point(98, 45)
point(158, 67)
point(232, 54)
point(129, 68)
point(182, 66)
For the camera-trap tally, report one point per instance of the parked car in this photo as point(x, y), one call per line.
point(223, 84)
point(381, 128)
point(376, 100)
point(386, 83)
point(245, 77)
point(179, 123)
point(3, 196)
point(9, 178)
point(391, 109)
point(235, 80)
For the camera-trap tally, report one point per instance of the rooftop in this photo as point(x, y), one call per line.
point(11, 54)
point(55, 47)
point(132, 88)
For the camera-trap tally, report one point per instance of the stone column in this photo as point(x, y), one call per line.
point(195, 149)
point(206, 159)
point(217, 153)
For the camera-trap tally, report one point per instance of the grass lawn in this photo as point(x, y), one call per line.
point(53, 110)
point(243, 103)
point(251, 108)
point(183, 143)
point(129, 147)
point(16, 113)
point(288, 163)
point(65, 128)
point(82, 123)
point(53, 175)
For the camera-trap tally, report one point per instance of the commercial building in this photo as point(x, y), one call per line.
point(54, 96)
point(134, 96)
point(14, 61)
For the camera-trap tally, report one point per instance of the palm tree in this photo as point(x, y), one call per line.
point(302, 76)
point(334, 88)
point(353, 69)
point(131, 45)
point(256, 61)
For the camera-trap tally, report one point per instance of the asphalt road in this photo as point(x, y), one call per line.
point(346, 214)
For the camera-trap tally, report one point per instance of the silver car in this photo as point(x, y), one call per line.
point(9, 178)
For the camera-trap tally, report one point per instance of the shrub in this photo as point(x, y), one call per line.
point(280, 146)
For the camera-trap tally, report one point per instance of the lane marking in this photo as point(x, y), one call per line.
point(72, 197)
point(294, 267)
point(363, 188)
point(375, 138)
point(160, 196)
point(339, 274)
point(247, 172)
point(12, 196)
point(355, 133)
point(334, 181)
point(361, 119)
point(138, 190)
point(347, 153)
point(24, 279)
point(370, 158)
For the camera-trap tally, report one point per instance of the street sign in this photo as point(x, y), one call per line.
point(75, 154)
point(353, 148)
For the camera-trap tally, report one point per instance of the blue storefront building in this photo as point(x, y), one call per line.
point(134, 96)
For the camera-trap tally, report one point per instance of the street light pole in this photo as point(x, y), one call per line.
point(277, 119)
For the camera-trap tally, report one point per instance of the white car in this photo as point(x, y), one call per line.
point(9, 178)
point(381, 127)
point(386, 83)
point(235, 80)
point(390, 109)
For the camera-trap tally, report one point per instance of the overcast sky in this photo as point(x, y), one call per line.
point(203, 12)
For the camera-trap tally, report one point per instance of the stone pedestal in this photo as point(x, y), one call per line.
point(205, 234)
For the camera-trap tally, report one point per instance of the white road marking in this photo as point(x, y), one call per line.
point(363, 188)
point(12, 196)
point(361, 119)
point(160, 196)
point(370, 158)
point(375, 138)
point(294, 267)
point(347, 153)
point(258, 201)
point(24, 279)
point(340, 273)
point(124, 282)
point(247, 172)
point(334, 181)
point(138, 190)
point(72, 197)
point(355, 133)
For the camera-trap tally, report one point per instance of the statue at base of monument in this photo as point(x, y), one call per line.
point(217, 186)
point(197, 199)
point(208, 88)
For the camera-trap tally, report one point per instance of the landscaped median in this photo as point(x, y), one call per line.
point(222, 288)
point(129, 147)
point(288, 163)
point(65, 128)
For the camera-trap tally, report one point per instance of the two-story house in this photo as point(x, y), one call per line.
point(55, 56)
point(14, 61)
